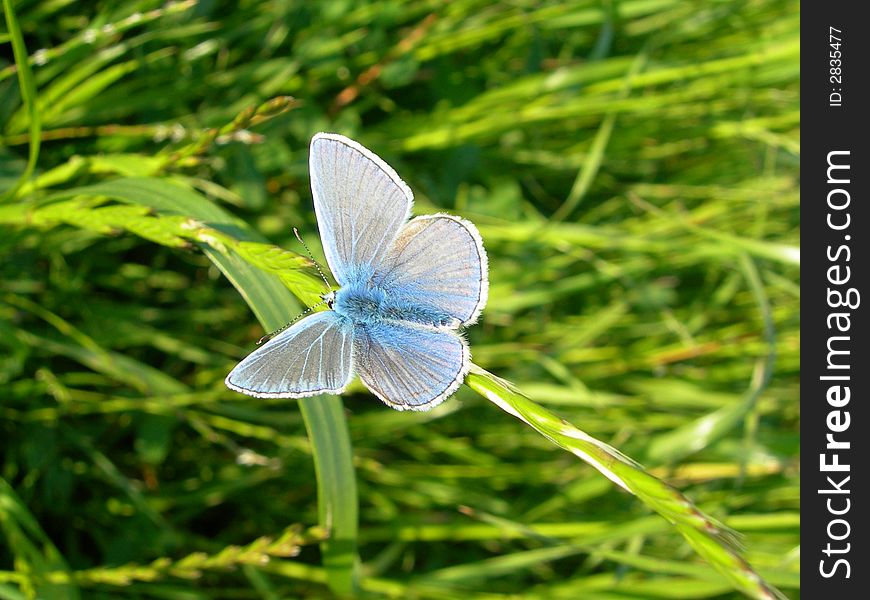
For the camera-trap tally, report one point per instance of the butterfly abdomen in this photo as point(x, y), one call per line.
point(417, 314)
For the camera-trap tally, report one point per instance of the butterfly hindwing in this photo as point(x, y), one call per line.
point(313, 356)
point(438, 262)
point(360, 201)
point(410, 367)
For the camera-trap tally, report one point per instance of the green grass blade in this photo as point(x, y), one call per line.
point(337, 491)
point(28, 96)
point(704, 534)
point(599, 147)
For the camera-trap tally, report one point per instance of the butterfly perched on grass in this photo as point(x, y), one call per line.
point(406, 288)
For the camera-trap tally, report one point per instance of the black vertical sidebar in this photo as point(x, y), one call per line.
point(835, 420)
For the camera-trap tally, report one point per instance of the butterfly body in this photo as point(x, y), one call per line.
point(406, 287)
point(363, 304)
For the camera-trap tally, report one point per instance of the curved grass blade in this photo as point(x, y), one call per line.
point(711, 540)
point(274, 305)
point(28, 96)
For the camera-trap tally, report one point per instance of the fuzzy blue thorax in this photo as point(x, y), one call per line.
point(364, 303)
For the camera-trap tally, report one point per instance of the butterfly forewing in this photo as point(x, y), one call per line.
point(313, 356)
point(361, 204)
point(408, 366)
point(437, 262)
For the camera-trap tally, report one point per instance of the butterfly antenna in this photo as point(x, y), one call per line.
point(269, 336)
point(319, 270)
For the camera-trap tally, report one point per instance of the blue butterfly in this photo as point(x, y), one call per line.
point(406, 287)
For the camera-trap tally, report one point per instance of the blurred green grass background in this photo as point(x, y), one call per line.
point(633, 169)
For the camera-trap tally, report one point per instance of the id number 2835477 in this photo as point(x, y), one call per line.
point(835, 67)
